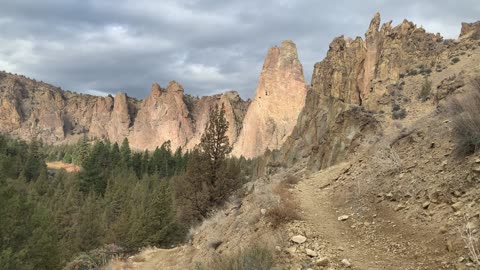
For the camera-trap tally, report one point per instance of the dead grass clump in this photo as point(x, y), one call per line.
point(287, 208)
point(283, 213)
point(291, 180)
point(472, 243)
point(466, 121)
point(255, 257)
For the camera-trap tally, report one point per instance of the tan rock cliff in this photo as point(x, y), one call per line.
point(279, 98)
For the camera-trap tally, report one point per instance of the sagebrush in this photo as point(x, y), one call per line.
point(256, 257)
point(466, 120)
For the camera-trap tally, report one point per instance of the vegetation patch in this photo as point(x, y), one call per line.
point(466, 121)
point(256, 257)
point(424, 94)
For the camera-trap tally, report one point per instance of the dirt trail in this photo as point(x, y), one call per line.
point(372, 237)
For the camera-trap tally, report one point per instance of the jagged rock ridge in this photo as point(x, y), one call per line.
point(359, 77)
point(35, 110)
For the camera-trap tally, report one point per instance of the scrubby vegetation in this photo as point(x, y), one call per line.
point(287, 208)
point(120, 198)
point(466, 121)
point(256, 257)
point(425, 91)
point(398, 112)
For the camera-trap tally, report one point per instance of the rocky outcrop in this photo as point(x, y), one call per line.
point(35, 110)
point(470, 30)
point(348, 86)
point(279, 98)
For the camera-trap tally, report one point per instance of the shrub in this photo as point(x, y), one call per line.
point(291, 180)
point(426, 89)
point(286, 210)
point(283, 213)
point(400, 114)
point(455, 60)
point(466, 121)
point(412, 72)
point(255, 257)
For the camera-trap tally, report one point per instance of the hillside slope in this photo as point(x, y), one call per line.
point(380, 187)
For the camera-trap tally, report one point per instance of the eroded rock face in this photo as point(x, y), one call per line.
point(470, 30)
point(279, 98)
point(34, 110)
point(357, 73)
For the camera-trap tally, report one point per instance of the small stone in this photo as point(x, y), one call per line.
point(343, 218)
point(263, 211)
point(311, 253)
point(425, 205)
point(477, 160)
point(278, 248)
point(299, 239)
point(346, 263)
point(476, 168)
point(399, 207)
point(323, 261)
point(457, 206)
point(292, 250)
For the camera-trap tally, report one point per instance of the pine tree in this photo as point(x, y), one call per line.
point(125, 153)
point(215, 146)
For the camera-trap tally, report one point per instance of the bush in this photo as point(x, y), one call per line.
point(455, 60)
point(253, 258)
point(412, 72)
point(400, 114)
point(285, 212)
point(426, 89)
point(291, 180)
point(466, 121)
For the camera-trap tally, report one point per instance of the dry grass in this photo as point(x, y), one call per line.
point(471, 242)
point(287, 209)
point(466, 121)
point(255, 257)
point(58, 165)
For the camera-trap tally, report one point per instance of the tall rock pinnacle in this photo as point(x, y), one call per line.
point(279, 98)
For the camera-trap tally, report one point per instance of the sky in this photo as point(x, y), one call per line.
point(209, 46)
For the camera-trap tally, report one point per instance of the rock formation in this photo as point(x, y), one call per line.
point(359, 78)
point(279, 98)
point(35, 110)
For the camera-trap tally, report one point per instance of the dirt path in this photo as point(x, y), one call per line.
point(372, 237)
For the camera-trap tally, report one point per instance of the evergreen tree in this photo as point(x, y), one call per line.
point(81, 151)
point(34, 163)
point(125, 153)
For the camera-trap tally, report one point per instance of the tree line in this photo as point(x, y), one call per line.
point(122, 197)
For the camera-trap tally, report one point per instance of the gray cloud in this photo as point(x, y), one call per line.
point(209, 46)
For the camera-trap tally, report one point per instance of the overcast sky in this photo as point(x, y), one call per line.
point(208, 46)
